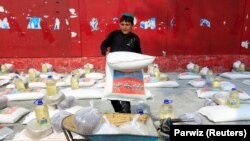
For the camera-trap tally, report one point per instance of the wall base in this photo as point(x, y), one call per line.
point(173, 63)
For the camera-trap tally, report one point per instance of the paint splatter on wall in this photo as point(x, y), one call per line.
point(94, 24)
point(1, 9)
point(34, 23)
point(149, 24)
point(73, 13)
point(57, 24)
point(4, 24)
point(205, 22)
point(244, 44)
point(73, 34)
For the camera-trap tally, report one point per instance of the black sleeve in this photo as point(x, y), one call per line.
point(138, 45)
point(106, 43)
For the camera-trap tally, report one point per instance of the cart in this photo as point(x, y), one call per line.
point(68, 129)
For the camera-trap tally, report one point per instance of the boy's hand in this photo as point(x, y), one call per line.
point(107, 52)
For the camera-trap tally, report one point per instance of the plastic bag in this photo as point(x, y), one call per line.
point(87, 120)
point(209, 102)
point(134, 127)
point(107, 128)
point(220, 99)
point(68, 102)
point(191, 118)
point(56, 120)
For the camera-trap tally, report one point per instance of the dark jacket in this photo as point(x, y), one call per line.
point(117, 41)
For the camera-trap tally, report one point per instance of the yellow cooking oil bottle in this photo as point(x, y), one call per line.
point(44, 68)
point(42, 113)
point(74, 82)
point(233, 99)
point(4, 69)
point(217, 82)
point(87, 69)
point(32, 74)
point(166, 109)
point(19, 84)
point(51, 86)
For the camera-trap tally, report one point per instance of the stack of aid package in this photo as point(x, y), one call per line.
point(124, 76)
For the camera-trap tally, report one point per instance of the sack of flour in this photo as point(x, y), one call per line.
point(125, 86)
point(128, 61)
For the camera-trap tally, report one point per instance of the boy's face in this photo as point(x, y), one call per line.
point(126, 27)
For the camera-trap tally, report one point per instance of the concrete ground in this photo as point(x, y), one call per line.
point(184, 99)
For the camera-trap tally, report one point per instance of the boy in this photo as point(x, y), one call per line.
point(122, 40)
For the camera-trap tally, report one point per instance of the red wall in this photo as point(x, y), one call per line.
point(178, 31)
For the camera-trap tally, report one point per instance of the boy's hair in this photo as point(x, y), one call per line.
point(127, 18)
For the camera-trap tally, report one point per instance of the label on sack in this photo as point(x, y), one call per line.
point(128, 82)
point(8, 110)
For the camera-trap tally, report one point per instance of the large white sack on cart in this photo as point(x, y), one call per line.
point(124, 76)
point(128, 61)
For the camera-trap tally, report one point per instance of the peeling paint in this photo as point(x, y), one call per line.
point(224, 22)
point(164, 53)
point(135, 20)
point(1, 9)
point(245, 28)
point(247, 16)
point(94, 24)
point(73, 13)
point(205, 22)
point(151, 23)
point(4, 24)
point(245, 44)
point(115, 19)
point(171, 23)
point(73, 34)
point(46, 16)
point(34, 23)
point(57, 24)
point(66, 21)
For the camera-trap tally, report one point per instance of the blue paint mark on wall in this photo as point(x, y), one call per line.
point(205, 22)
point(4, 24)
point(149, 24)
point(34, 23)
point(94, 24)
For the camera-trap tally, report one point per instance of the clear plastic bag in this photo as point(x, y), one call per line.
point(56, 120)
point(220, 99)
point(209, 102)
point(68, 102)
point(87, 120)
point(107, 128)
point(191, 118)
point(134, 127)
